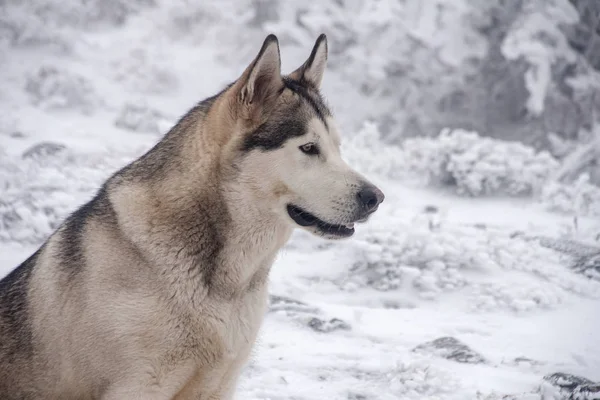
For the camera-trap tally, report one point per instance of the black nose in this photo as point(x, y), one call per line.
point(370, 197)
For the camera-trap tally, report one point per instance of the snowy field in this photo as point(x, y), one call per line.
point(444, 294)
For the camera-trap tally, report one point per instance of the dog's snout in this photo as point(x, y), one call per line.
point(370, 197)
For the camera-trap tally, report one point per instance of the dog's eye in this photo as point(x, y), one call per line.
point(310, 148)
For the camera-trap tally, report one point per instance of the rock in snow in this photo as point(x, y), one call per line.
point(43, 149)
point(588, 266)
point(451, 349)
point(573, 387)
point(325, 326)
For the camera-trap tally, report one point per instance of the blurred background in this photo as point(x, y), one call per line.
point(518, 70)
point(478, 117)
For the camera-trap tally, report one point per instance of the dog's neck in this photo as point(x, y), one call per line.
point(189, 219)
point(255, 236)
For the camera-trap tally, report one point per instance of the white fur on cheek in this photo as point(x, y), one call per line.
point(325, 186)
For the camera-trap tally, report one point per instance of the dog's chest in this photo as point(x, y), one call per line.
point(224, 329)
point(227, 341)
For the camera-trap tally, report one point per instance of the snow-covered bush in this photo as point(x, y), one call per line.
point(474, 165)
point(82, 14)
point(494, 269)
point(44, 186)
point(418, 380)
point(478, 165)
point(143, 71)
point(579, 198)
point(49, 24)
point(50, 88)
point(365, 152)
point(141, 118)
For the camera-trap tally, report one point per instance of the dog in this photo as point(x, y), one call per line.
point(157, 287)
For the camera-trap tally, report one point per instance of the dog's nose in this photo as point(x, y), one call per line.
point(370, 197)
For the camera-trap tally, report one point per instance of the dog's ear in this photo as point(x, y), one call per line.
point(261, 83)
point(312, 70)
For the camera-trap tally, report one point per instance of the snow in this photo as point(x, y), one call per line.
point(524, 42)
point(431, 263)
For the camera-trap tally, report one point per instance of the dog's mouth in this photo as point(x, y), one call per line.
point(306, 219)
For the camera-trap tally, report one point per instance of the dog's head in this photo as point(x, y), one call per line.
point(288, 148)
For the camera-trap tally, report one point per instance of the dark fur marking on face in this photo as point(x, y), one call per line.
point(273, 134)
point(289, 123)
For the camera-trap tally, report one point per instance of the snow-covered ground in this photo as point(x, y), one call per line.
point(357, 319)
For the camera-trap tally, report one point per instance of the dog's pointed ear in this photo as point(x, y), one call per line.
point(312, 70)
point(261, 82)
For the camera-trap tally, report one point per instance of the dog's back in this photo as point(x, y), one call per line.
point(41, 310)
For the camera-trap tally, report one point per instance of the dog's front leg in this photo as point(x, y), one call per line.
point(228, 384)
point(150, 385)
point(225, 392)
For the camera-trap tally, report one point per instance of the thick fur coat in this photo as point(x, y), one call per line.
point(157, 287)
